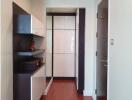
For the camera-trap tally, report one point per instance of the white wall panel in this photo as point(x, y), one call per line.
point(49, 22)
point(64, 22)
point(25, 4)
point(64, 41)
point(120, 61)
point(0, 49)
point(77, 47)
point(49, 41)
point(49, 53)
point(48, 64)
point(6, 51)
point(64, 65)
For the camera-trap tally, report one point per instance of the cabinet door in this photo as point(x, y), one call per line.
point(64, 65)
point(37, 27)
point(38, 84)
point(64, 22)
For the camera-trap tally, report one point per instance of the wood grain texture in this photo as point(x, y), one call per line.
point(101, 98)
point(64, 90)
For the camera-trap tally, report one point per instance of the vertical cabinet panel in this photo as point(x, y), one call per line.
point(37, 27)
point(37, 84)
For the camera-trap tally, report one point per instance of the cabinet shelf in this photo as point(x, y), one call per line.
point(31, 72)
point(30, 34)
point(30, 53)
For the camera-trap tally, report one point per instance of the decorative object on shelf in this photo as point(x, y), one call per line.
point(32, 46)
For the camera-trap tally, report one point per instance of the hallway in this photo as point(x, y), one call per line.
point(64, 90)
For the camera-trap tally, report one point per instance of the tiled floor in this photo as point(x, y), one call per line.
point(64, 90)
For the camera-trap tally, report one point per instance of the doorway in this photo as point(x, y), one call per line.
point(66, 30)
point(102, 51)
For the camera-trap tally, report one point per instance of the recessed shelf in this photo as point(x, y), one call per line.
point(29, 34)
point(30, 53)
point(31, 72)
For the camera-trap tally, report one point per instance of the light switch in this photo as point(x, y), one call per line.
point(112, 42)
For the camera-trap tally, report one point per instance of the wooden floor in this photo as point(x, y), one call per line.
point(102, 98)
point(64, 90)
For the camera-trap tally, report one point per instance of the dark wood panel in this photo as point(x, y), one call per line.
point(61, 14)
point(64, 90)
point(102, 98)
point(81, 49)
point(22, 87)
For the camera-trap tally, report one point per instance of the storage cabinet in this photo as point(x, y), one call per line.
point(37, 83)
point(28, 57)
point(64, 46)
point(29, 86)
point(28, 24)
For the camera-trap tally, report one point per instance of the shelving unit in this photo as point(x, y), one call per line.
point(28, 56)
point(30, 53)
point(28, 24)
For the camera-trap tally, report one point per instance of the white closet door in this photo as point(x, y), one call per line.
point(64, 41)
point(64, 46)
point(64, 65)
point(64, 22)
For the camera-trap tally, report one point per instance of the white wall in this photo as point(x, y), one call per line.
point(120, 61)
point(0, 50)
point(6, 47)
point(39, 11)
point(25, 4)
point(89, 36)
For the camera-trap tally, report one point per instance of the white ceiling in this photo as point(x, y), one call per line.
point(61, 10)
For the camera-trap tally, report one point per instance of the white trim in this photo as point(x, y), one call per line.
point(88, 93)
point(48, 87)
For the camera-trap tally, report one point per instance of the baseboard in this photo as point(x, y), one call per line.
point(48, 78)
point(48, 87)
point(64, 78)
point(88, 93)
point(80, 92)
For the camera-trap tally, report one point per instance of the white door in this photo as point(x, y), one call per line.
point(64, 46)
point(120, 50)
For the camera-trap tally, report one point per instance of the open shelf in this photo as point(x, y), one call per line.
point(30, 53)
point(31, 72)
point(30, 34)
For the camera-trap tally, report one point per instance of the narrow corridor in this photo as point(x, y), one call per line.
point(64, 90)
